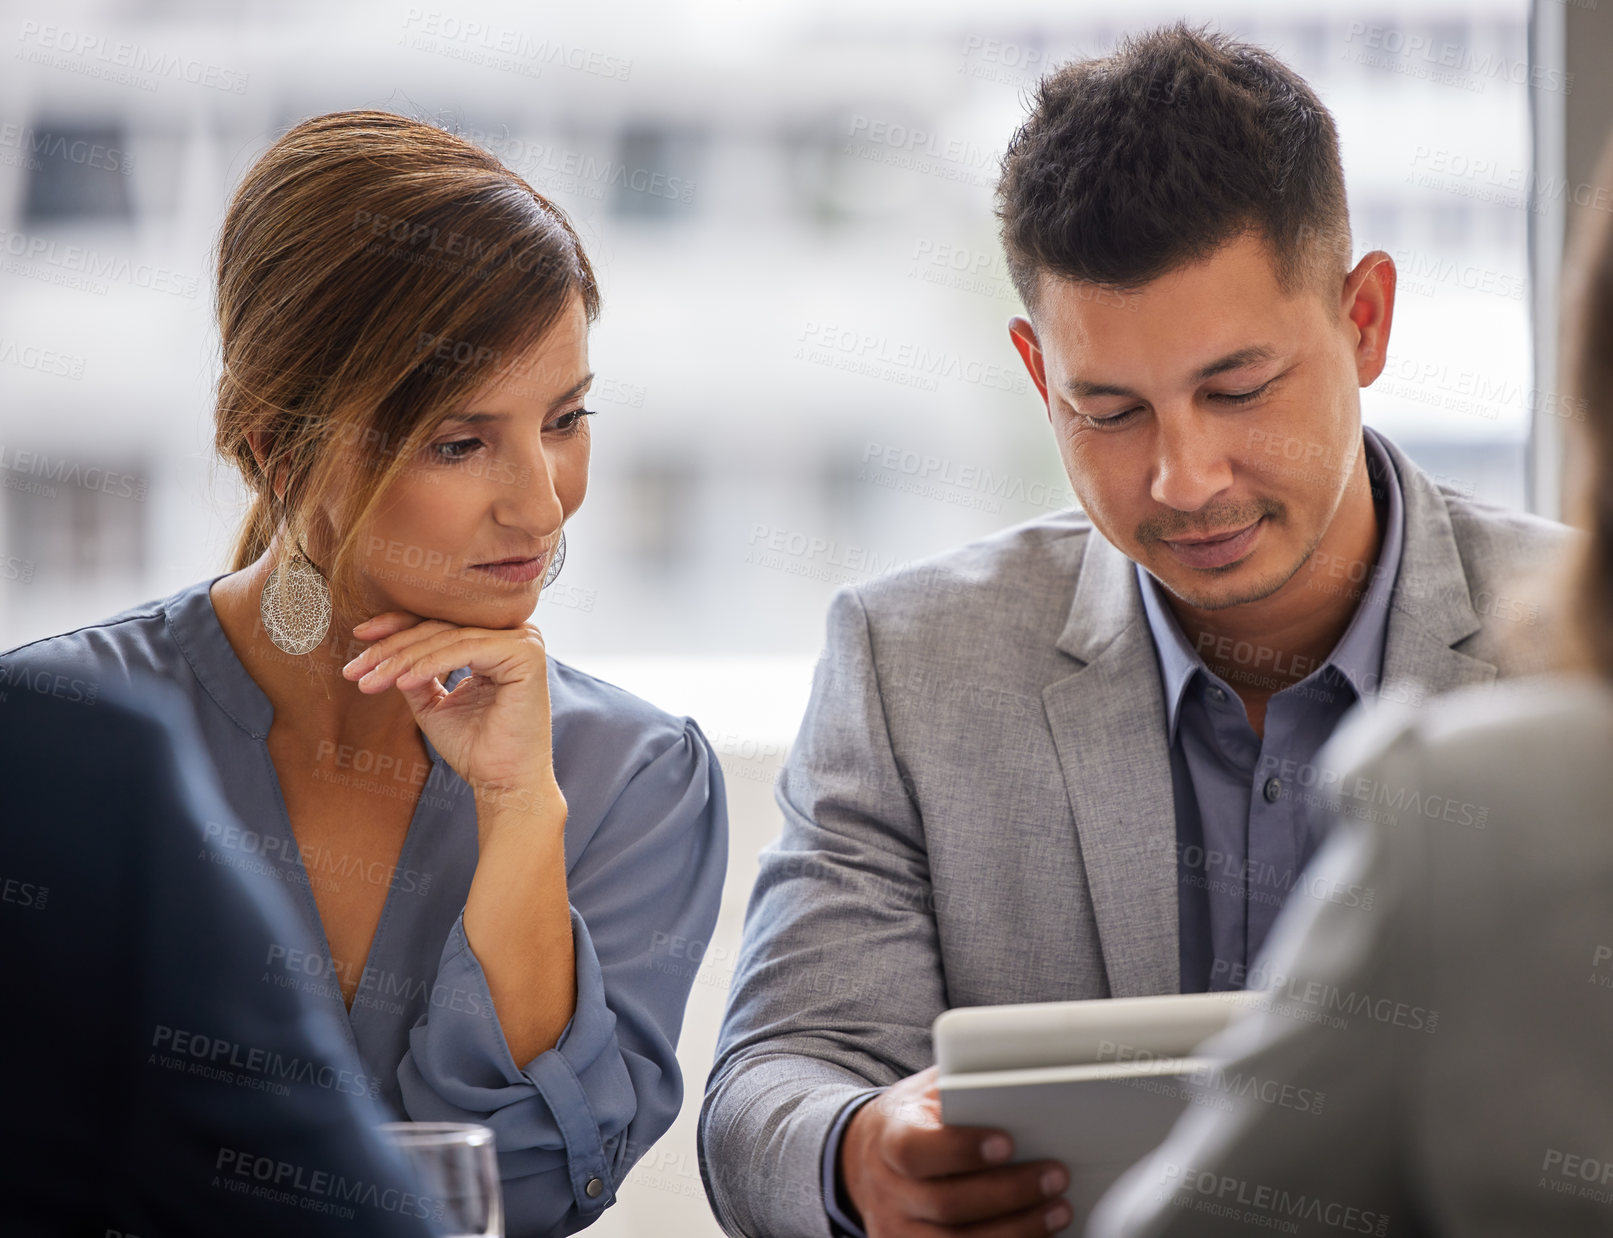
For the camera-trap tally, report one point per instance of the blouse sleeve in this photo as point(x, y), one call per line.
point(571, 1122)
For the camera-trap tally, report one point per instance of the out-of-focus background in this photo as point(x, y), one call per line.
point(805, 374)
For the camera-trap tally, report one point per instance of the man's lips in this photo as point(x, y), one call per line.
point(1218, 550)
point(1208, 539)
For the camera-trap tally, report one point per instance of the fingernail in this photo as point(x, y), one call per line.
point(996, 1148)
point(1058, 1216)
point(1053, 1182)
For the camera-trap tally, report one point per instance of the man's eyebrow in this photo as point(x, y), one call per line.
point(471, 419)
point(1081, 389)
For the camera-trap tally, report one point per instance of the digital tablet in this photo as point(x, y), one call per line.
point(1094, 1084)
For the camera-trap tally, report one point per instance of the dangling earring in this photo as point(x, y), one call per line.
point(557, 562)
point(295, 605)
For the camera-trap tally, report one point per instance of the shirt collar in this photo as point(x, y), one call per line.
point(1358, 656)
point(200, 637)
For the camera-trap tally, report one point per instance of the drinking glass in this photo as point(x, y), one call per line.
point(457, 1172)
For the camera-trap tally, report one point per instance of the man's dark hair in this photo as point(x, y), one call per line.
point(1181, 140)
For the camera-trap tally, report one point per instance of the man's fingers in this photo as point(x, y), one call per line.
point(987, 1196)
point(1033, 1222)
point(916, 1151)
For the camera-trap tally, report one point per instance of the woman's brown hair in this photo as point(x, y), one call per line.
point(373, 272)
point(1587, 368)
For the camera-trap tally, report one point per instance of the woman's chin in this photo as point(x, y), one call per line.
point(472, 607)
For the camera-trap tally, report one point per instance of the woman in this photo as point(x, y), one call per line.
point(1432, 1053)
point(499, 850)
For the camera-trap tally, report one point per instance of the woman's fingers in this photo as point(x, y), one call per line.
point(492, 654)
point(397, 658)
point(389, 646)
point(378, 627)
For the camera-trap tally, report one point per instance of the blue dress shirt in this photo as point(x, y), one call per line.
point(646, 854)
point(1242, 826)
point(1243, 802)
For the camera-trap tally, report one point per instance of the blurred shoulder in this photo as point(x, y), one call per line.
point(1555, 729)
point(137, 641)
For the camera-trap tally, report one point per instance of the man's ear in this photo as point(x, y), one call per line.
point(1029, 348)
point(1369, 304)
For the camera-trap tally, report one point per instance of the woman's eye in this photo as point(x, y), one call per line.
point(570, 421)
point(459, 449)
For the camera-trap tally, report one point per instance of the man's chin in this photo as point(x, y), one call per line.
point(1236, 585)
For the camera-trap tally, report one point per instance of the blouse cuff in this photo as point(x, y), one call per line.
point(464, 1058)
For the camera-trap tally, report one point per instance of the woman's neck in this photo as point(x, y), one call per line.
point(307, 691)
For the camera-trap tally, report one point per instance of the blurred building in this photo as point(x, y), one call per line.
point(805, 374)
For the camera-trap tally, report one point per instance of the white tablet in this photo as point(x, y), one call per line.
point(1093, 1084)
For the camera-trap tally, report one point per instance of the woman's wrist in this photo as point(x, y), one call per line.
point(526, 807)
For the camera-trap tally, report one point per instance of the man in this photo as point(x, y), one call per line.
point(158, 1085)
point(1076, 759)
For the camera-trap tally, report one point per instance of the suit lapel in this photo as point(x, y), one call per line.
point(1108, 724)
point(1432, 607)
point(1107, 721)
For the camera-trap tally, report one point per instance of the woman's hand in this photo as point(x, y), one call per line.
point(494, 727)
point(494, 730)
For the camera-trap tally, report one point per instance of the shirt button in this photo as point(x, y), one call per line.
point(595, 1188)
point(1217, 694)
point(1273, 790)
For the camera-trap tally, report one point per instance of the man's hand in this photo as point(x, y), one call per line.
point(909, 1175)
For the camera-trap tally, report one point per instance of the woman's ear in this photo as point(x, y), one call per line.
point(260, 452)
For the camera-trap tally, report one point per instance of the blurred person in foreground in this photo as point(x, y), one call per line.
point(156, 1089)
point(1076, 759)
point(1458, 1027)
point(496, 852)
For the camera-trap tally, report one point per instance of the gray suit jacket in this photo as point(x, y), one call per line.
point(979, 809)
point(1438, 1062)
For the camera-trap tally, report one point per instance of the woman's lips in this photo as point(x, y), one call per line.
point(1206, 553)
point(514, 571)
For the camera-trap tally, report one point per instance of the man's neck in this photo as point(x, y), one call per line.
point(1263, 647)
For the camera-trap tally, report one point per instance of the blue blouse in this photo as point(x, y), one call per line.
point(646, 852)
